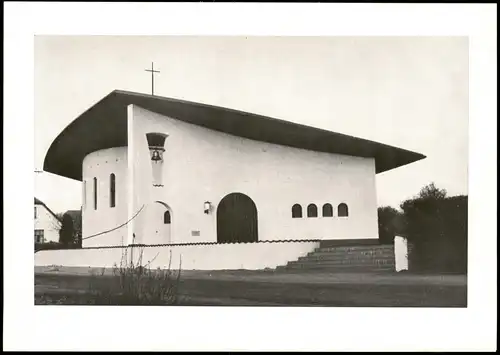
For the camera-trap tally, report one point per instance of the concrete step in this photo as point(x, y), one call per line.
point(361, 254)
point(347, 258)
point(356, 248)
point(344, 261)
point(342, 264)
point(339, 268)
point(366, 254)
point(333, 271)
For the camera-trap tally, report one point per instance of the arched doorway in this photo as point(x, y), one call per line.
point(162, 222)
point(237, 219)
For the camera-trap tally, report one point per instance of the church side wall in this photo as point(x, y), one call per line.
point(205, 165)
point(101, 164)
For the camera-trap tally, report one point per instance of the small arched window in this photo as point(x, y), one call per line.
point(312, 210)
point(112, 193)
point(166, 217)
point(95, 193)
point(297, 211)
point(327, 210)
point(343, 211)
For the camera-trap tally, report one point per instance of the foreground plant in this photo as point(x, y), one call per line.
point(136, 284)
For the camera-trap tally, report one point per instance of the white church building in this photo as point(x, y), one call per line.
point(221, 188)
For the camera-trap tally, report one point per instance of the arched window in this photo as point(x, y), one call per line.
point(343, 211)
point(112, 193)
point(327, 210)
point(166, 217)
point(95, 193)
point(297, 211)
point(312, 210)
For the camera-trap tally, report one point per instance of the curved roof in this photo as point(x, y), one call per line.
point(104, 125)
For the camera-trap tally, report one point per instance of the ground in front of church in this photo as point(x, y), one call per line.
point(59, 285)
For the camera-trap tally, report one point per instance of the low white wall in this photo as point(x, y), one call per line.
point(401, 253)
point(194, 257)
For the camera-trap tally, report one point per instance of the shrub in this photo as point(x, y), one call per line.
point(136, 284)
point(436, 226)
point(390, 223)
point(67, 231)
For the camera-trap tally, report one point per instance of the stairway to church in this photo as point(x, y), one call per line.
point(347, 258)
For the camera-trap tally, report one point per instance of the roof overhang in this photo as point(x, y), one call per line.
point(104, 125)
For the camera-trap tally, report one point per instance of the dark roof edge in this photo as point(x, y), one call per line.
point(124, 98)
point(422, 156)
point(364, 140)
point(73, 122)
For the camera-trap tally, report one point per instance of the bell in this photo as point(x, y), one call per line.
point(156, 155)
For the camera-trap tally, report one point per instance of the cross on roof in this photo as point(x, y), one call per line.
point(152, 78)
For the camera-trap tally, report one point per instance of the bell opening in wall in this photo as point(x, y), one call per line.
point(156, 144)
point(156, 154)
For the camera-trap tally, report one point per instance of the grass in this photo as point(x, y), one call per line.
point(254, 288)
point(137, 284)
point(337, 295)
point(130, 284)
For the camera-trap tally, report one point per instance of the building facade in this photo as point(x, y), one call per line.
point(160, 171)
point(47, 224)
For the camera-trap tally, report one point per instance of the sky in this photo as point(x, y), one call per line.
point(409, 92)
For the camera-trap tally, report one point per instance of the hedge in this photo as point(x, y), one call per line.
point(437, 230)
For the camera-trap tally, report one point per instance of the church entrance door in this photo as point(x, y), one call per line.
point(237, 219)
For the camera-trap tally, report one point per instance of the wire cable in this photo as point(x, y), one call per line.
point(111, 230)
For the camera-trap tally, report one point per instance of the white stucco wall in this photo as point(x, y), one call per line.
point(401, 253)
point(206, 165)
point(101, 164)
point(254, 256)
point(48, 223)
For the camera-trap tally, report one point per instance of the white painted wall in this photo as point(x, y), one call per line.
point(160, 232)
point(254, 256)
point(401, 253)
point(48, 223)
point(101, 164)
point(205, 165)
point(202, 164)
